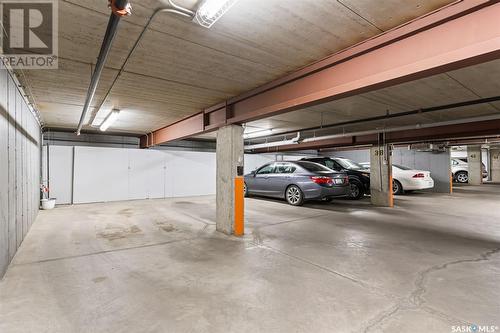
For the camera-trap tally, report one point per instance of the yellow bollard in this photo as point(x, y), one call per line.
point(239, 206)
point(451, 182)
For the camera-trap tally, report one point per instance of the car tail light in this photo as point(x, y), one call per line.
point(346, 180)
point(419, 175)
point(322, 179)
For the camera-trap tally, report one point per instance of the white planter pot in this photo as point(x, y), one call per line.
point(48, 203)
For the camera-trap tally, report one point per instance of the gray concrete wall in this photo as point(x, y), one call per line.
point(474, 156)
point(19, 169)
point(495, 165)
point(360, 156)
point(381, 177)
point(437, 163)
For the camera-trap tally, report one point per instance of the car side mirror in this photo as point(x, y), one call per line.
point(253, 173)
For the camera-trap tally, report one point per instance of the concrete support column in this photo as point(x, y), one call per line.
point(229, 164)
point(381, 176)
point(475, 166)
point(440, 168)
point(495, 165)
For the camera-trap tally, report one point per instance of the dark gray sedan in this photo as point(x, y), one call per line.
point(297, 182)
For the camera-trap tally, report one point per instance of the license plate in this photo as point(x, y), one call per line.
point(339, 181)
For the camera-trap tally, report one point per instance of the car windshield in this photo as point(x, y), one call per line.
point(313, 167)
point(401, 167)
point(348, 164)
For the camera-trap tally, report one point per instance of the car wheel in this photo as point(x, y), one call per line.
point(462, 177)
point(294, 195)
point(397, 188)
point(356, 190)
point(245, 190)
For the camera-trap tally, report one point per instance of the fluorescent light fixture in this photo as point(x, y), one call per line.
point(212, 10)
point(110, 119)
point(258, 134)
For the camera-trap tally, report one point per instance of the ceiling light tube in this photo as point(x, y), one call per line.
point(258, 134)
point(212, 10)
point(110, 119)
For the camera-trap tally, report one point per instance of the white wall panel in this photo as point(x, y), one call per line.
point(100, 174)
point(190, 173)
point(12, 193)
point(24, 165)
point(4, 175)
point(18, 168)
point(146, 174)
point(254, 161)
point(60, 173)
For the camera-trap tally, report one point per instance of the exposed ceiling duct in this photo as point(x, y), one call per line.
point(388, 116)
point(362, 133)
point(295, 140)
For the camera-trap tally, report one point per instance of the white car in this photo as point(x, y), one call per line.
point(460, 170)
point(408, 179)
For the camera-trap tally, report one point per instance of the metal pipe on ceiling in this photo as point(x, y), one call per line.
point(119, 8)
point(173, 9)
point(397, 115)
point(183, 12)
point(295, 140)
point(376, 131)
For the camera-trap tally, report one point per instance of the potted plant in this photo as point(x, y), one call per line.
point(47, 203)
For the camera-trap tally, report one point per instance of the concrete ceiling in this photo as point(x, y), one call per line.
point(181, 68)
point(471, 83)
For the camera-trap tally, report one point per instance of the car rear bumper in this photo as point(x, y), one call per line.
point(419, 184)
point(320, 192)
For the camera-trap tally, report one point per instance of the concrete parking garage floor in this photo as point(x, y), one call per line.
point(431, 263)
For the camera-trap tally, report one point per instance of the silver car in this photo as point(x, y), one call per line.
point(297, 182)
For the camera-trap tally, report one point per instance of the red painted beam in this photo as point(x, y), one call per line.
point(182, 129)
point(479, 129)
point(464, 41)
point(459, 35)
